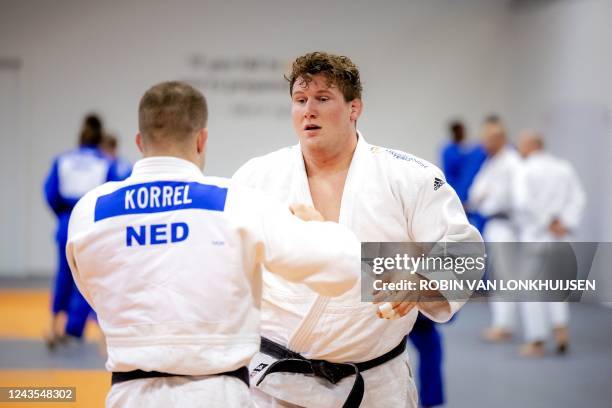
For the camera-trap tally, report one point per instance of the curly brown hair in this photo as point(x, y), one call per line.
point(338, 69)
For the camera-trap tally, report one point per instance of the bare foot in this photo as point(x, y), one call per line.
point(55, 334)
point(496, 334)
point(534, 349)
point(561, 339)
point(53, 339)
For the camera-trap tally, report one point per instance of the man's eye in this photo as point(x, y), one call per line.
point(300, 100)
point(324, 99)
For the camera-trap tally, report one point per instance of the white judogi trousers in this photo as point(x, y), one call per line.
point(504, 262)
point(539, 318)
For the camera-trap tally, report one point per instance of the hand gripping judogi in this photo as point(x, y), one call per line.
point(170, 261)
point(328, 352)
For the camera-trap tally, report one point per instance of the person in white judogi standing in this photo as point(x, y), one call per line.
point(171, 260)
point(549, 202)
point(319, 351)
point(491, 196)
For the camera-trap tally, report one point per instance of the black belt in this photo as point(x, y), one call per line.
point(118, 377)
point(499, 216)
point(292, 362)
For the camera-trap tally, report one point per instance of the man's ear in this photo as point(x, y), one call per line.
point(139, 143)
point(202, 139)
point(356, 108)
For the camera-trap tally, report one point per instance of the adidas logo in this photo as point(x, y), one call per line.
point(438, 183)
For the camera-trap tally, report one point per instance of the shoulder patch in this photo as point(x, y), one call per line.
point(438, 183)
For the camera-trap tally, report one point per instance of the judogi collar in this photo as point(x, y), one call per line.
point(164, 164)
point(301, 189)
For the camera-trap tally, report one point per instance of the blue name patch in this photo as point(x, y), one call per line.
point(160, 196)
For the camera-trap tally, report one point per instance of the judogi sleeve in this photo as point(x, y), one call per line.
point(571, 212)
point(325, 256)
point(78, 225)
point(438, 217)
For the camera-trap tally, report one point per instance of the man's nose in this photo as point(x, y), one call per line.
point(310, 110)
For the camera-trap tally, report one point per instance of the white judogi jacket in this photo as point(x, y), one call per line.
point(491, 194)
point(170, 261)
point(546, 188)
point(389, 196)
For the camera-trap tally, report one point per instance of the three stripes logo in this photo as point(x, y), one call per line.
point(438, 183)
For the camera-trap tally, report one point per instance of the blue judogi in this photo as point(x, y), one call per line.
point(460, 165)
point(474, 159)
point(72, 175)
point(453, 162)
point(123, 168)
point(428, 342)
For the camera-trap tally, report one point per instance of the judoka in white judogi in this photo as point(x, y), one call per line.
point(170, 261)
point(549, 202)
point(388, 196)
point(491, 196)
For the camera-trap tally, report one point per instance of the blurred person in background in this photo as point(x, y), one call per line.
point(73, 174)
point(110, 146)
point(491, 196)
point(474, 159)
point(427, 339)
point(460, 163)
point(425, 335)
point(549, 202)
point(453, 157)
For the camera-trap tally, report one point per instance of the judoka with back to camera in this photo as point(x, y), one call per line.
point(171, 259)
point(549, 200)
point(73, 174)
point(382, 195)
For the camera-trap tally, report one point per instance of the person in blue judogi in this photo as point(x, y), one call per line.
point(110, 146)
point(453, 158)
point(73, 174)
point(472, 162)
point(428, 341)
point(460, 163)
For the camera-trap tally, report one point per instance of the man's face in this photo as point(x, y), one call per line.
point(493, 137)
point(523, 146)
point(322, 119)
point(527, 144)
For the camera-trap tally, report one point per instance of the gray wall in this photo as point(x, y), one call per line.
point(561, 83)
point(422, 62)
